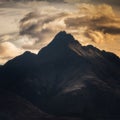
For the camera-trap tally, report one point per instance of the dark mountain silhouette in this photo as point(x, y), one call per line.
point(0, 66)
point(14, 107)
point(67, 79)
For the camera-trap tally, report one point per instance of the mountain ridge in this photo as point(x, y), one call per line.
point(64, 76)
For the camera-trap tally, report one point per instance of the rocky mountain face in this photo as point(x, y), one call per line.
point(67, 79)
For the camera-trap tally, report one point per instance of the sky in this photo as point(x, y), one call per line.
point(30, 25)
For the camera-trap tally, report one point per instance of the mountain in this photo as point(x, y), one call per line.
point(67, 79)
point(14, 107)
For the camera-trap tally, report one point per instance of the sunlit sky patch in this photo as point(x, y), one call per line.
point(32, 25)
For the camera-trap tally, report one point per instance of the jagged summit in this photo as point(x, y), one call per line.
point(59, 47)
point(63, 37)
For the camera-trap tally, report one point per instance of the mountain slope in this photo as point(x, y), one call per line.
point(14, 107)
point(66, 78)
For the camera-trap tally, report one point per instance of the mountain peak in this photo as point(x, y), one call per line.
point(62, 38)
point(58, 47)
point(62, 33)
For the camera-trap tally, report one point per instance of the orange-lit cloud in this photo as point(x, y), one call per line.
point(8, 51)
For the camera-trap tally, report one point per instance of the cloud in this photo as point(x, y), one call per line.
point(8, 50)
point(110, 2)
point(31, 0)
point(98, 20)
point(33, 23)
point(96, 24)
point(42, 25)
point(95, 19)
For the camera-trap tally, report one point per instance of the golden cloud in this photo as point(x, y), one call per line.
point(8, 50)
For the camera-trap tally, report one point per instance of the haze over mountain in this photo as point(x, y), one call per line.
point(67, 79)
